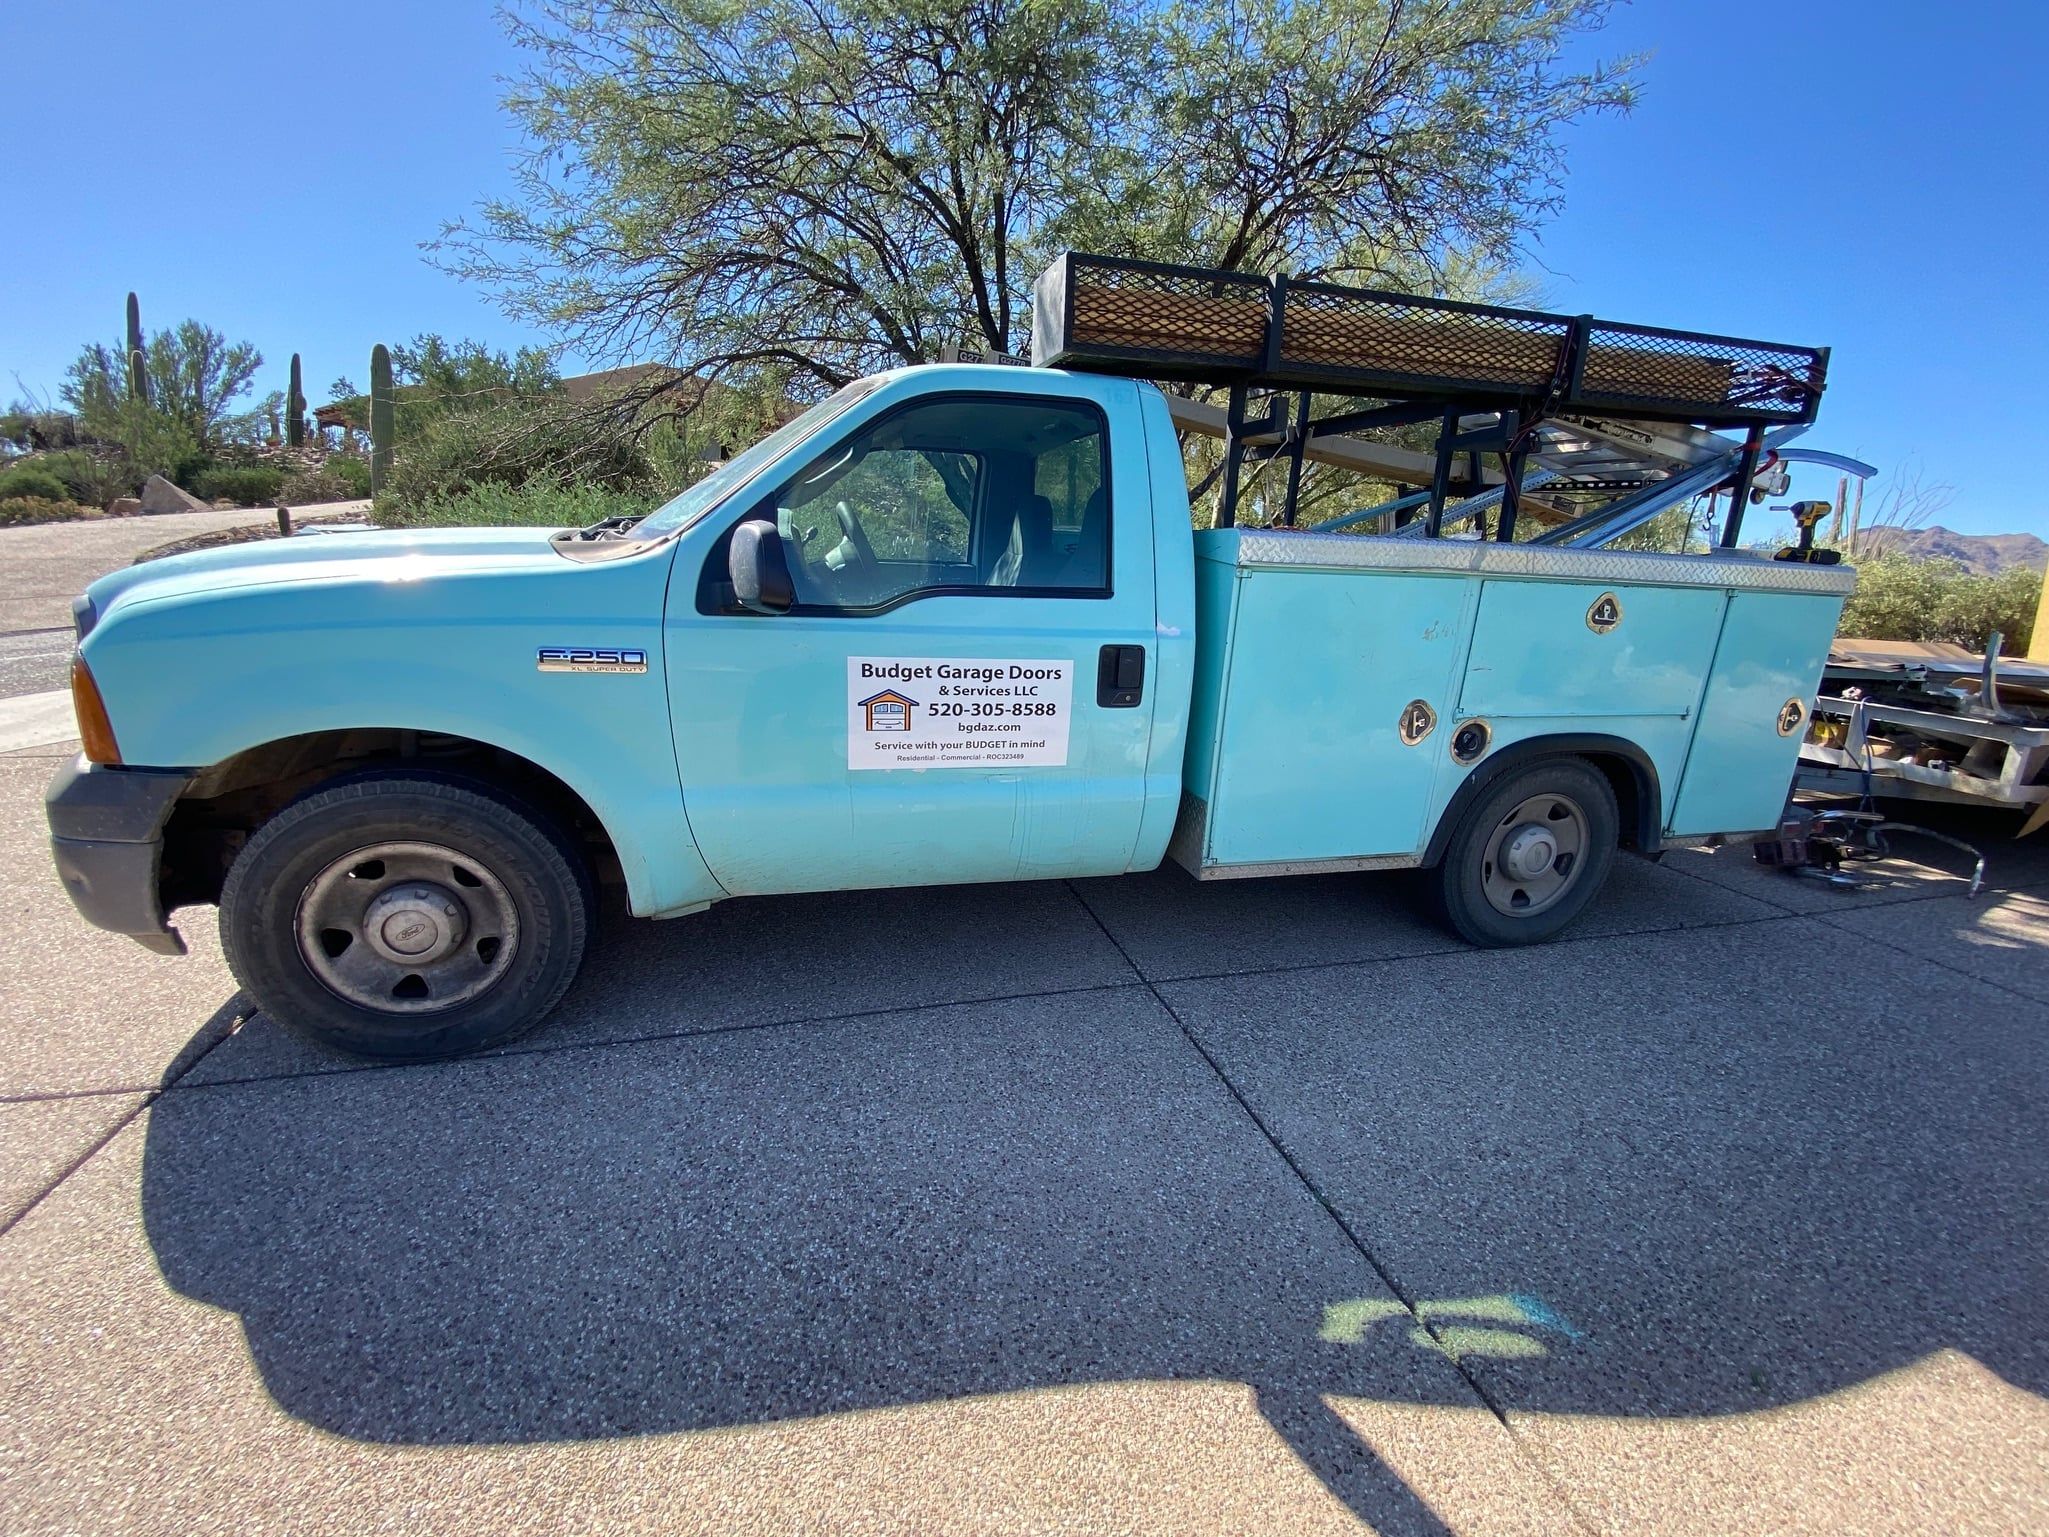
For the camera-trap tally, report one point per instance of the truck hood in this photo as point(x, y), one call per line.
point(399, 555)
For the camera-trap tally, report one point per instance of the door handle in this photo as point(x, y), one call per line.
point(1120, 677)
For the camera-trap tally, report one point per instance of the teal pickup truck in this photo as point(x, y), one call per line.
point(950, 624)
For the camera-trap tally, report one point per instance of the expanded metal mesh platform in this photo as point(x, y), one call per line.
point(1150, 320)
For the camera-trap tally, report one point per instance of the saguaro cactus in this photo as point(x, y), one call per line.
point(295, 409)
point(138, 374)
point(383, 417)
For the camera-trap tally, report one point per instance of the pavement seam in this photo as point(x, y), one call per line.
point(78, 1163)
point(1365, 1252)
point(149, 1097)
point(1465, 949)
point(1927, 958)
point(1139, 979)
point(350, 1069)
point(2019, 888)
point(57, 1096)
point(1694, 875)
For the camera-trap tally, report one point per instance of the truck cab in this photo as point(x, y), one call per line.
point(951, 624)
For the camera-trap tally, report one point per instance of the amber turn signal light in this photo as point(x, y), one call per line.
point(95, 731)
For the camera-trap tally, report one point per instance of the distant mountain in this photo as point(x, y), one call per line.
point(1982, 553)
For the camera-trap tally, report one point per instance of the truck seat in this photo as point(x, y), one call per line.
point(1027, 558)
point(1085, 563)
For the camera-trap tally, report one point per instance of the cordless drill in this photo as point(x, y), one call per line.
point(1807, 517)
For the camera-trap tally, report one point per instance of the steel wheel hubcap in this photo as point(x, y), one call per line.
point(407, 928)
point(1534, 855)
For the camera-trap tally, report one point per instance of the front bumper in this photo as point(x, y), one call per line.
point(107, 837)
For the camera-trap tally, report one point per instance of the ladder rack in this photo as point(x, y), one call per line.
point(1595, 404)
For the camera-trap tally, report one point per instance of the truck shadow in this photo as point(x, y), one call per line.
point(756, 1224)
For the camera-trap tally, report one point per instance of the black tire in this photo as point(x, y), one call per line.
point(1465, 877)
point(514, 884)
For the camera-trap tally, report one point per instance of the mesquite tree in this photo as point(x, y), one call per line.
point(813, 189)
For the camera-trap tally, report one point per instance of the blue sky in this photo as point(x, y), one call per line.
point(1868, 175)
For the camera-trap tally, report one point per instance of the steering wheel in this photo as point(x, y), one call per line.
point(857, 540)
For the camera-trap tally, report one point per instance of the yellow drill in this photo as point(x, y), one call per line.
point(1806, 517)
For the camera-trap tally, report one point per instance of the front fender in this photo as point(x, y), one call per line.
point(191, 679)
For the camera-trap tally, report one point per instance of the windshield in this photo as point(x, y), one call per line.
point(685, 509)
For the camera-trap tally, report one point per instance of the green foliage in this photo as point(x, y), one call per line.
point(94, 478)
point(138, 441)
point(194, 376)
point(534, 504)
point(1900, 598)
point(383, 430)
point(246, 485)
point(18, 511)
point(25, 425)
point(552, 443)
point(434, 377)
point(350, 473)
point(31, 480)
point(828, 187)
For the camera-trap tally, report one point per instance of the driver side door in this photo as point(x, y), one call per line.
point(929, 709)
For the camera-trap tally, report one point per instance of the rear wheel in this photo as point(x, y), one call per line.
point(404, 916)
point(1529, 854)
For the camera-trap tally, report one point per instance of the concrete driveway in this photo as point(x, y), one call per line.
point(1126, 1205)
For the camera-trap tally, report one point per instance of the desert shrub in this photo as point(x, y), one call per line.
point(32, 428)
point(534, 504)
point(550, 441)
point(352, 472)
point(1900, 598)
point(93, 478)
point(246, 485)
point(26, 480)
point(16, 511)
point(305, 488)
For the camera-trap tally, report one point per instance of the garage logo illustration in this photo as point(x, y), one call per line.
point(889, 711)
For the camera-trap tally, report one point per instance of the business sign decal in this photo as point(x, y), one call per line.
point(922, 712)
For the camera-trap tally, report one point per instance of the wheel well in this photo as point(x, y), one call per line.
point(1639, 802)
point(230, 800)
point(1626, 780)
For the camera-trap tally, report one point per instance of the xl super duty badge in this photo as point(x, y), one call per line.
point(590, 659)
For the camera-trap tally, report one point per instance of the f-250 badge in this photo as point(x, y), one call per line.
point(590, 659)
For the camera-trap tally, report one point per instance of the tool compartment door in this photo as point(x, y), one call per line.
point(1310, 764)
point(1581, 651)
point(1745, 749)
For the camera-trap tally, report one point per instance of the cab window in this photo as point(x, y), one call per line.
point(960, 494)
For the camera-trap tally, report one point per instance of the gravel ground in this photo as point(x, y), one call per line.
point(1127, 1205)
point(34, 661)
point(45, 566)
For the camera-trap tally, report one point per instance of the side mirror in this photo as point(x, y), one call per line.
point(759, 569)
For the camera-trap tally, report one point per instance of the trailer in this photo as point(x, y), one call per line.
point(1918, 721)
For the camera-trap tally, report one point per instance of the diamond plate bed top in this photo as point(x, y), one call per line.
point(1304, 548)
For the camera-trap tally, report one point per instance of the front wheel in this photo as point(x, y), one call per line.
point(405, 917)
point(1529, 854)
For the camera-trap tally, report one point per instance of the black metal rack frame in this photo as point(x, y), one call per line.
point(1426, 358)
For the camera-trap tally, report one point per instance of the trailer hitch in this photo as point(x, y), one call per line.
point(1818, 844)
